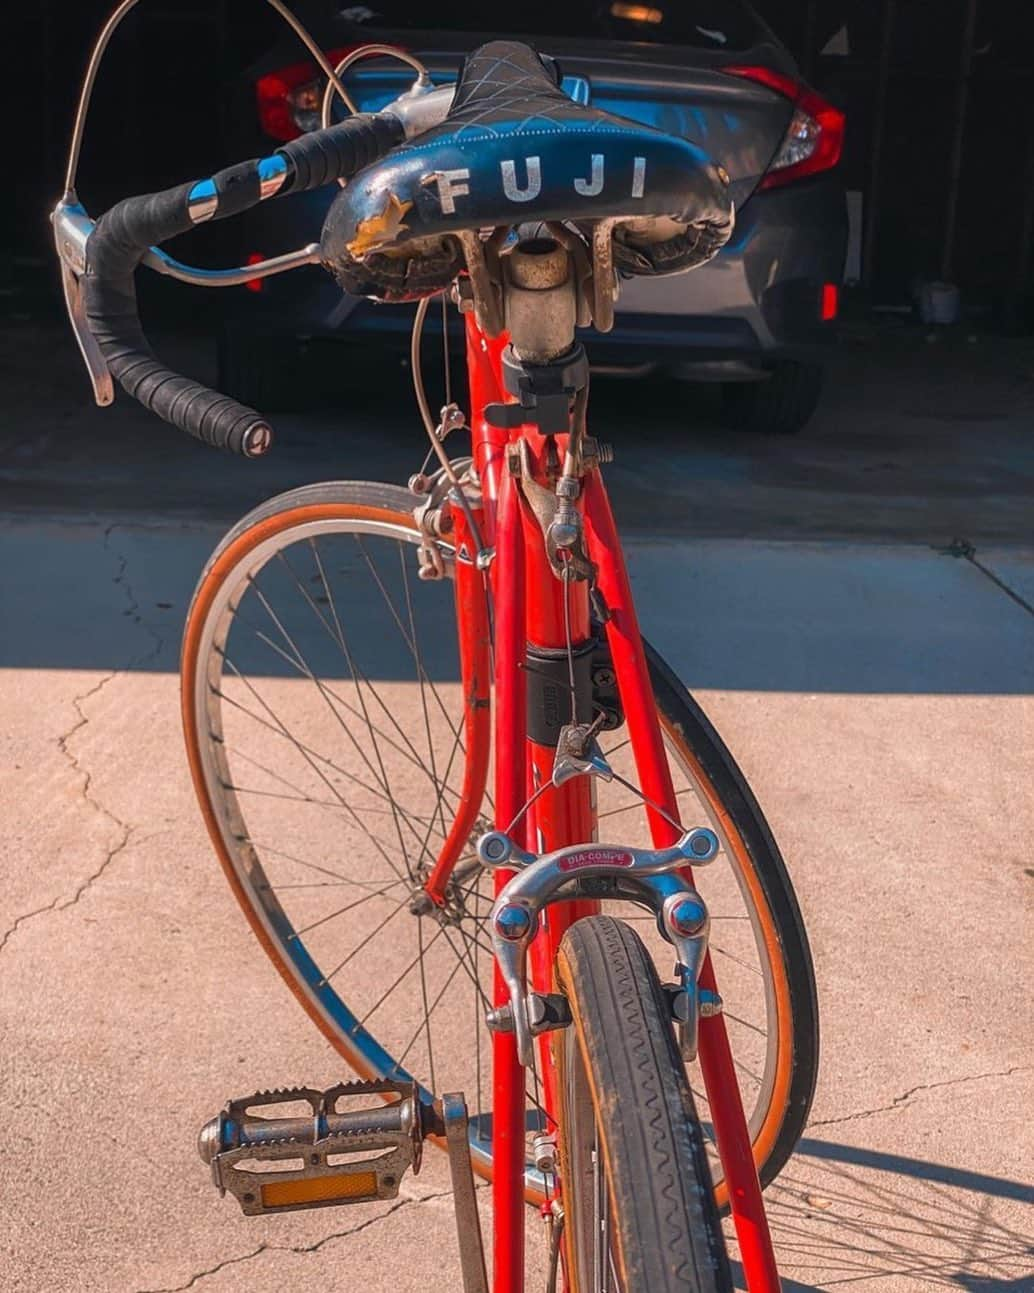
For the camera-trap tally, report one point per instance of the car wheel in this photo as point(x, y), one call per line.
point(779, 405)
point(259, 369)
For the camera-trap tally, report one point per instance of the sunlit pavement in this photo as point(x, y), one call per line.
point(878, 697)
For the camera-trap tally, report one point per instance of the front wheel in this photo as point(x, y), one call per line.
point(639, 1207)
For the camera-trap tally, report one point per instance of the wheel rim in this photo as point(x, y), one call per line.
point(283, 932)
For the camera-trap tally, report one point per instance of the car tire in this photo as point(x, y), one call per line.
point(259, 369)
point(779, 405)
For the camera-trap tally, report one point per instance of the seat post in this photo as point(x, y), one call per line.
point(539, 300)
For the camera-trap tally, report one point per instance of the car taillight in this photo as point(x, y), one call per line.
point(289, 99)
point(255, 284)
point(815, 136)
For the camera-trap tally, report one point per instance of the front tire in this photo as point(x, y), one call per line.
point(648, 1209)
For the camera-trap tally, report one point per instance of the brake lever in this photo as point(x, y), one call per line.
point(72, 226)
point(417, 110)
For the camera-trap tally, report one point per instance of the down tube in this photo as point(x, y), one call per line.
point(507, 1073)
point(651, 762)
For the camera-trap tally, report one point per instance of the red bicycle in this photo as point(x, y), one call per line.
point(470, 815)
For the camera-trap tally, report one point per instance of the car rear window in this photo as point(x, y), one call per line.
point(703, 24)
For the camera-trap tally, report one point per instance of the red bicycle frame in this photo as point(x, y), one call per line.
point(529, 606)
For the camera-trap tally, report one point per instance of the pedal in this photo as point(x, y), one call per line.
point(318, 1160)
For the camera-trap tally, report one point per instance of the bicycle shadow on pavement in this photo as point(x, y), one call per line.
point(843, 1215)
point(839, 620)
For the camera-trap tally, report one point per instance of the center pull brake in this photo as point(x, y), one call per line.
point(328, 1157)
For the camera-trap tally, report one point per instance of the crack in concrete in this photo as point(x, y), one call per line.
point(133, 609)
point(900, 1101)
point(124, 829)
point(964, 549)
point(300, 1249)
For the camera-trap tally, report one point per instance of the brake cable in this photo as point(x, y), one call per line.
point(101, 44)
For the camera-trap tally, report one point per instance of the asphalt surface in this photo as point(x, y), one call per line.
point(873, 682)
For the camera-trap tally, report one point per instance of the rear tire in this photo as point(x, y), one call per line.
point(624, 1096)
point(780, 405)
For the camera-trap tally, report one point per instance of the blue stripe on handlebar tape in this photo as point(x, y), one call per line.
point(272, 171)
point(202, 201)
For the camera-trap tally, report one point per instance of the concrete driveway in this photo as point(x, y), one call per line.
point(875, 688)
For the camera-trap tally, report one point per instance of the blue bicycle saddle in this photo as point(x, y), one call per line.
point(514, 149)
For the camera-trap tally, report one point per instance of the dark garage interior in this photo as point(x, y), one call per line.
point(920, 429)
point(938, 97)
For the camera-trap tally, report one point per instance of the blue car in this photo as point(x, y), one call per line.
point(755, 320)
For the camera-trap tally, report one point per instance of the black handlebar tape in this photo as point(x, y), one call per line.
point(340, 151)
point(210, 417)
point(124, 234)
point(121, 238)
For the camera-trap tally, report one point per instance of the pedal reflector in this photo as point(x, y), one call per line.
point(321, 1189)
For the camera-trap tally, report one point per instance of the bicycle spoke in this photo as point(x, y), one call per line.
point(314, 866)
point(421, 675)
point(349, 709)
point(391, 988)
point(352, 668)
point(309, 673)
point(753, 969)
point(365, 941)
point(452, 756)
point(425, 1024)
point(280, 729)
point(427, 1014)
point(310, 758)
point(470, 946)
point(395, 616)
point(367, 897)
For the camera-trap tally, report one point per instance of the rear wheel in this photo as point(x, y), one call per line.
point(639, 1210)
point(779, 405)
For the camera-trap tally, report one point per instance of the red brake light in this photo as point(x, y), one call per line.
point(814, 138)
point(281, 114)
point(255, 284)
point(829, 302)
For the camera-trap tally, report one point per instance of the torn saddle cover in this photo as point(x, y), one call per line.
point(514, 149)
